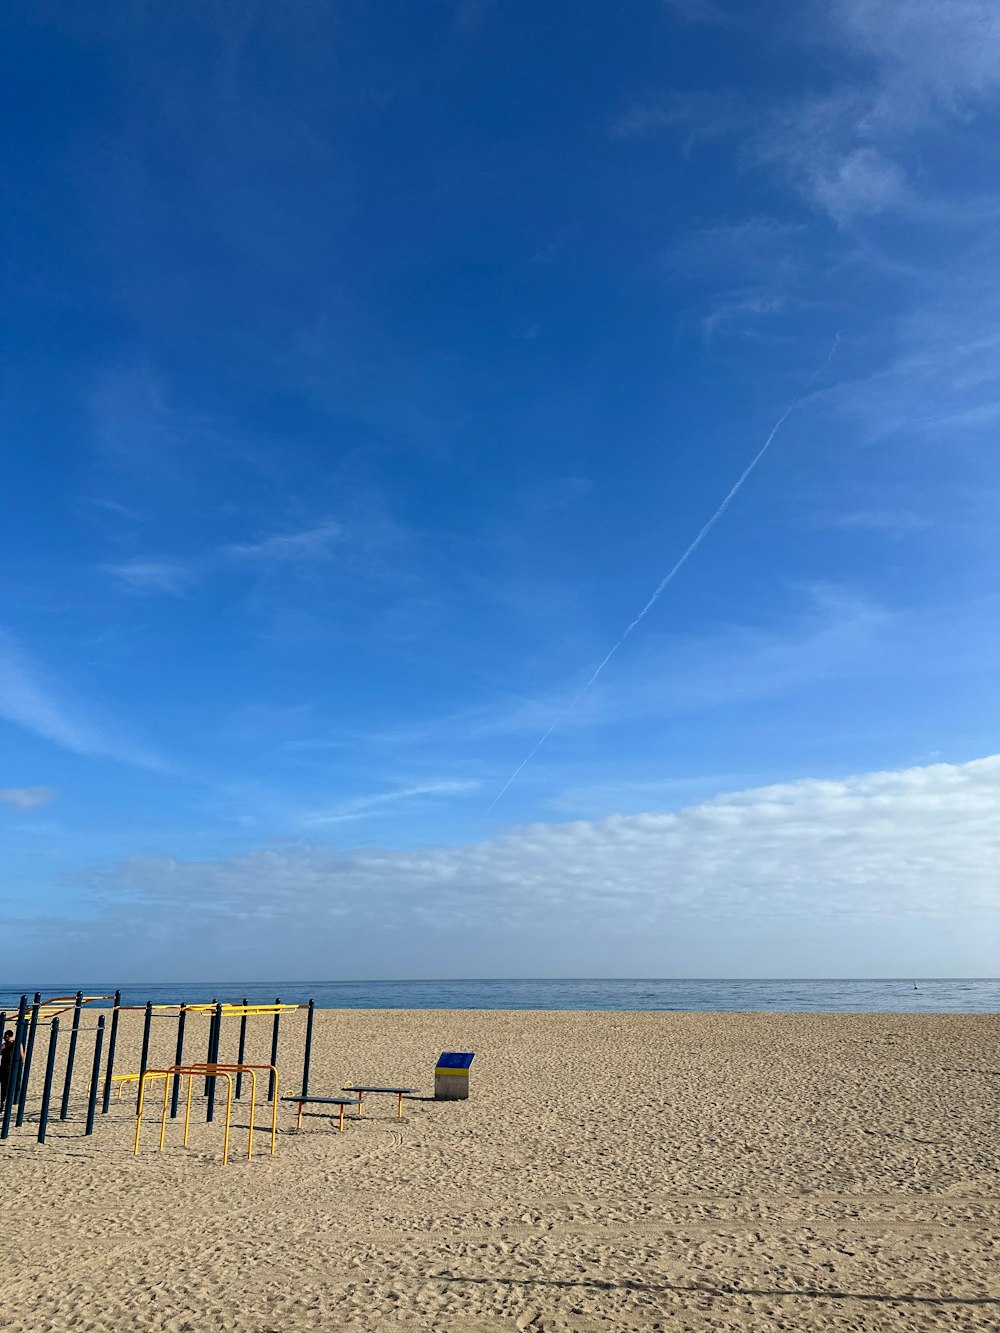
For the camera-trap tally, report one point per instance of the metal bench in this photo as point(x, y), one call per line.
point(361, 1089)
point(304, 1101)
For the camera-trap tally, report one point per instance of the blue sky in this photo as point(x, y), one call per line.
point(369, 367)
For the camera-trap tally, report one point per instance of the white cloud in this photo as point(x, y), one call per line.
point(826, 148)
point(115, 508)
point(861, 181)
point(941, 383)
point(737, 310)
point(919, 842)
point(700, 116)
point(152, 576)
point(28, 702)
point(915, 83)
point(728, 249)
point(286, 550)
point(303, 547)
point(846, 149)
point(911, 64)
point(27, 798)
point(948, 50)
point(754, 268)
point(886, 522)
point(361, 806)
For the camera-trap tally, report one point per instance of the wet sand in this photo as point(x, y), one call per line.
point(610, 1171)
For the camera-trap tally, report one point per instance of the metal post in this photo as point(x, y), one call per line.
point(178, 1060)
point(144, 1058)
point(274, 1054)
point(112, 1043)
point(307, 1058)
point(29, 1051)
point(241, 1051)
point(95, 1076)
point(215, 1038)
point(211, 1042)
point(74, 1033)
point(50, 1065)
point(15, 1067)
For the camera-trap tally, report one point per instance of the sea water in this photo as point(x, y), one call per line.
point(910, 996)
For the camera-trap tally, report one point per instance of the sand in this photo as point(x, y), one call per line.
point(610, 1171)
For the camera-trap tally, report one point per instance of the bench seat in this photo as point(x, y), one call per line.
point(304, 1100)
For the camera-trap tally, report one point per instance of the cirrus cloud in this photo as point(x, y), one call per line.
point(27, 798)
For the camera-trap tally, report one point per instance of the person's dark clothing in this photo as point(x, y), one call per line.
point(6, 1064)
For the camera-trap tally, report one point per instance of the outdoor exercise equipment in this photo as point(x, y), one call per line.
point(50, 1064)
point(71, 1057)
point(38, 1011)
point(15, 1068)
point(28, 1053)
point(213, 1070)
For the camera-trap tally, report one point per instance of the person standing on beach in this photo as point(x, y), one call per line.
point(6, 1064)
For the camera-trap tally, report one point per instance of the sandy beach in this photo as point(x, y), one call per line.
point(610, 1171)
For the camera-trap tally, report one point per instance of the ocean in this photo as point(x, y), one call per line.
point(938, 996)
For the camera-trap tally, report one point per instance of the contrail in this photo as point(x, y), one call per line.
point(668, 578)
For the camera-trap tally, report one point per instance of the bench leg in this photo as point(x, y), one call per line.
point(298, 1123)
point(341, 1117)
point(399, 1107)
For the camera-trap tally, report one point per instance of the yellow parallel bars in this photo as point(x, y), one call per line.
point(206, 1070)
point(229, 1010)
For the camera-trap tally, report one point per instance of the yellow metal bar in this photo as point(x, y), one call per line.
point(235, 1010)
point(138, 1118)
point(121, 1080)
point(253, 1104)
point(220, 1070)
point(163, 1118)
point(150, 1073)
point(229, 1112)
point(259, 1008)
point(140, 1008)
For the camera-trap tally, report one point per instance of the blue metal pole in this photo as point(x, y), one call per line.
point(74, 1033)
point(15, 1067)
point(274, 1054)
point(28, 1053)
point(95, 1076)
point(213, 1058)
point(307, 1058)
point(144, 1058)
point(211, 1042)
point(50, 1066)
point(112, 1043)
point(241, 1051)
point(178, 1060)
